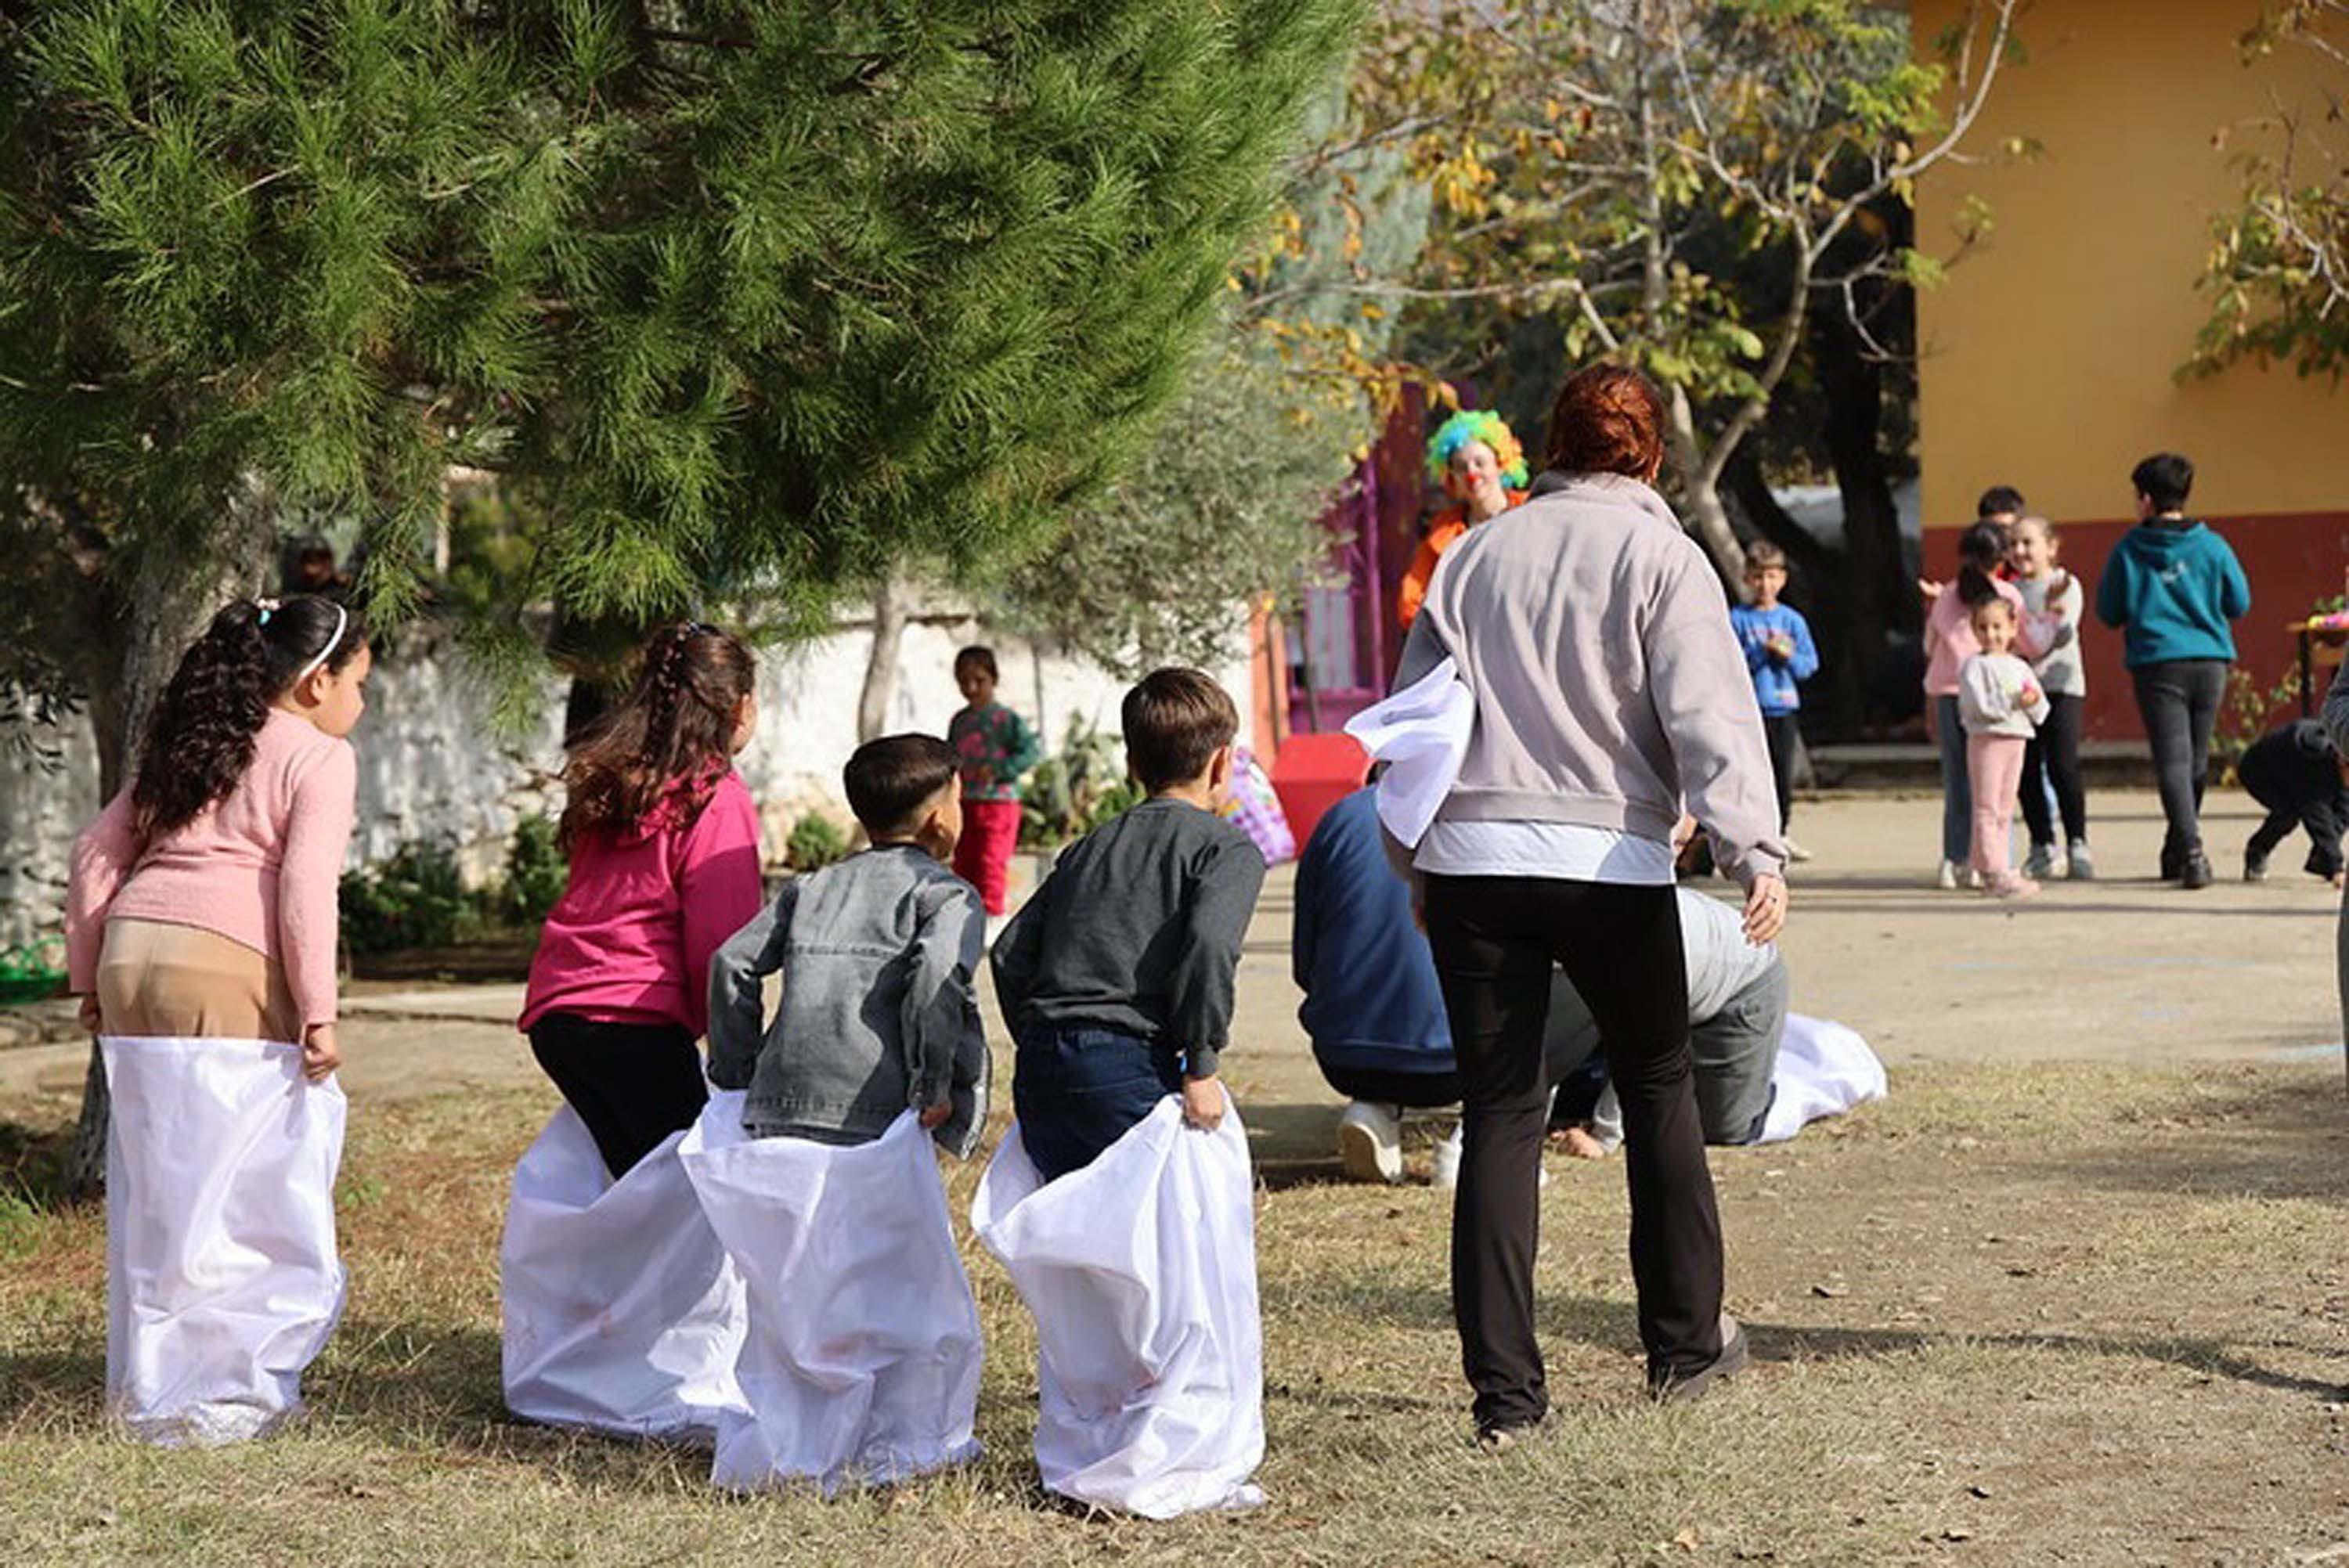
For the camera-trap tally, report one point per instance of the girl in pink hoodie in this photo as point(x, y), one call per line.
point(664, 847)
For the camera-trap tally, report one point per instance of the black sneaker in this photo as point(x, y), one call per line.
point(1670, 1389)
point(2255, 866)
point(2173, 863)
point(2198, 873)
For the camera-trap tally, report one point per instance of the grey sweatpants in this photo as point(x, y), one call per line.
point(1735, 1052)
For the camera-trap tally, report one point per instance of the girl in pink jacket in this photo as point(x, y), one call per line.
point(664, 847)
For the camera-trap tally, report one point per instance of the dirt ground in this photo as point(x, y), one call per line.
point(2076, 1292)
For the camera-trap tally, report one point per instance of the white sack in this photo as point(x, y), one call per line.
point(1824, 1069)
point(862, 1363)
point(1420, 733)
point(222, 1279)
point(621, 1313)
point(1141, 1272)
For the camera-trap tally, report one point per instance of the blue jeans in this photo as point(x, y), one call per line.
point(1957, 787)
point(1078, 1090)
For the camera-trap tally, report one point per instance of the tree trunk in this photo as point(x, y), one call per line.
point(889, 604)
point(164, 597)
point(1884, 602)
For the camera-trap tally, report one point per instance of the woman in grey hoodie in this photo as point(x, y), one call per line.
point(1610, 691)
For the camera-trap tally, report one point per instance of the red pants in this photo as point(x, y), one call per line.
point(990, 831)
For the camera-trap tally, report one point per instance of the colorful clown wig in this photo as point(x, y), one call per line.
point(1476, 425)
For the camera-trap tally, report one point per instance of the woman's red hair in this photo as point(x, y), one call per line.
point(1609, 420)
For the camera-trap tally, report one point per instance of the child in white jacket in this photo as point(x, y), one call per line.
point(2002, 704)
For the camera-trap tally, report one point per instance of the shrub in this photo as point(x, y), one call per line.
point(816, 841)
point(415, 899)
point(535, 871)
point(1076, 789)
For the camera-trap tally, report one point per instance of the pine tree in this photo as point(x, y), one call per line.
point(754, 298)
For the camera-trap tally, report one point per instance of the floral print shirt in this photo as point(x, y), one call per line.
point(995, 746)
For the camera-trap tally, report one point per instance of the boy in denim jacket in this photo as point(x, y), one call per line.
point(878, 955)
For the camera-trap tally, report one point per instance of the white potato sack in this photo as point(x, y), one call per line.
point(862, 1360)
point(621, 1312)
point(223, 1282)
point(1822, 1069)
point(1141, 1272)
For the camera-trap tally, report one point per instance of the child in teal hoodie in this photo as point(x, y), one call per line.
point(2173, 588)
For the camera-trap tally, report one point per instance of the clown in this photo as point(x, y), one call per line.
point(1480, 467)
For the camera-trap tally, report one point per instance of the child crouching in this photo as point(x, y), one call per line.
point(863, 1357)
point(1122, 1205)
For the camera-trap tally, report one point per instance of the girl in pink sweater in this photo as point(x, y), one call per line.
point(203, 898)
point(664, 847)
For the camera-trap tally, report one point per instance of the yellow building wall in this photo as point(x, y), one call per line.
point(2050, 353)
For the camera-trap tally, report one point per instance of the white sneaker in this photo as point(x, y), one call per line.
point(1795, 854)
point(1974, 880)
point(1370, 1142)
point(1447, 1158)
point(2046, 864)
point(1947, 880)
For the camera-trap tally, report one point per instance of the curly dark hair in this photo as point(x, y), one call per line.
point(674, 729)
point(201, 738)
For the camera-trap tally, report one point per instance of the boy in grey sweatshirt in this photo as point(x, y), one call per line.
point(878, 955)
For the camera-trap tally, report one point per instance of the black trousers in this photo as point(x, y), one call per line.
point(1495, 939)
point(2179, 700)
point(632, 1084)
point(2053, 756)
point(2307, 797)
point(1784, 731)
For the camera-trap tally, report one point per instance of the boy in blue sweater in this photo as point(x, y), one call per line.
point(2172, 588)
point(1781, 655)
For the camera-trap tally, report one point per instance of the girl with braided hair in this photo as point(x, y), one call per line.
point(203, 901)
point(663, 842)
point(200, 933)
point(1478, 461)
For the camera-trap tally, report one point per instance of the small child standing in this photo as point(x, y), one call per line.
point(2298, 779)
point(1949, 643)
point(994, 747)
point(878, 954)
point(2000, 702)
point(1117, 978)
point(862, 1348)
point(2052, 604)
point(1781, 655)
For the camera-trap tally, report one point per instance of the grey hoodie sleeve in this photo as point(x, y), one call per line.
point(939, 1024)
point(1705, 700)
point(737, 1014)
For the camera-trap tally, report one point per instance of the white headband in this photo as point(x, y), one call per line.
point(342, 624)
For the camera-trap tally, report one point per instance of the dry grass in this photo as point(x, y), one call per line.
point(2016, 1315)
